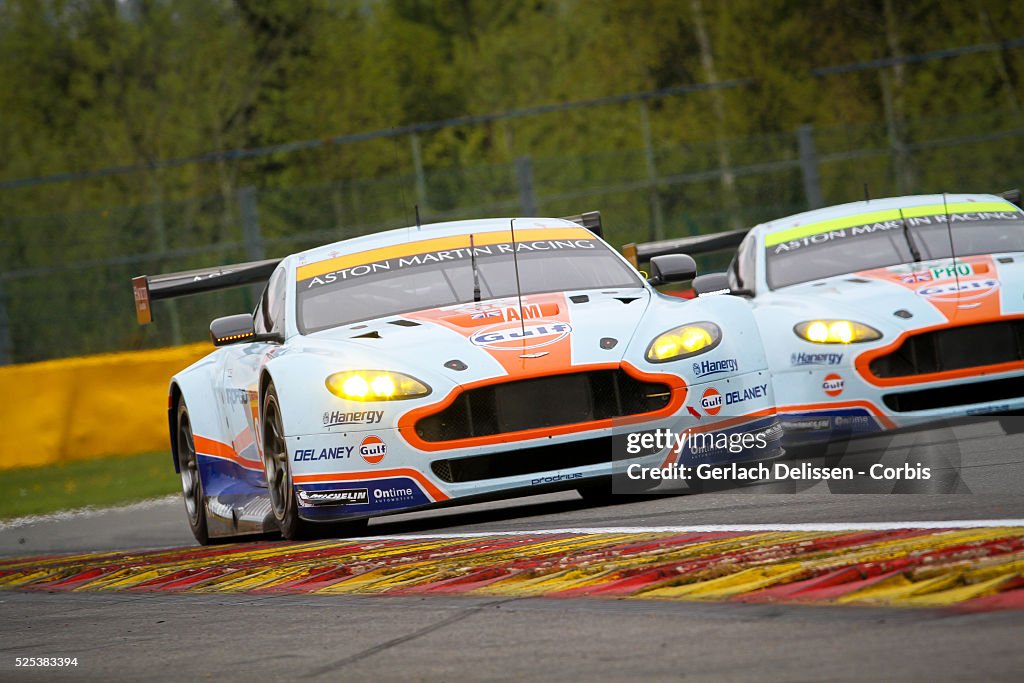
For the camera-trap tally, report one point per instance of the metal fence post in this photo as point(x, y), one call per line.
point(160, 230)
point(6, 347)
point(421, 178)
point(251, 235)
point(809, 166)
point(524, 176)
point(657, 231)
point(897, 150)
point(250, 223)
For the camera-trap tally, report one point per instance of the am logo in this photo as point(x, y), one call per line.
point(373, 449)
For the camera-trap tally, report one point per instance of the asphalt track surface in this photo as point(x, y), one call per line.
point(122, 636)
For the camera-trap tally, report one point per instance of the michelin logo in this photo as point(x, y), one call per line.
point(342, 497)
point(715, 367)
point(815, 359)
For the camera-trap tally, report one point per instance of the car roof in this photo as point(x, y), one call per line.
point(862, 212)
point(405, 235)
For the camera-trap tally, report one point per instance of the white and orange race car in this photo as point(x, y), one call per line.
point(881, 314)
point(449, 363)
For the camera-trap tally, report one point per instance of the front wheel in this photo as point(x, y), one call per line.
point(279, 474)
point(191, 481)
point(281, 487)
point(599, 492)
point(1012, 424)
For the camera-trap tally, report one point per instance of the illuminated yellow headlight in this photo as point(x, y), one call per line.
point(355, 386)
point(383, 386)
point(684, 341)
point(836, 332)
point(375, 385)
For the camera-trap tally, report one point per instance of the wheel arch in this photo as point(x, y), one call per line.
point(195, 386)
point(266, 379)
point(293, 379)
point(173, 397)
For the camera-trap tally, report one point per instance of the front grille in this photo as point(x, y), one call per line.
point(954, 348)
point(524, 461)
point(958, 395)
point(543, 402)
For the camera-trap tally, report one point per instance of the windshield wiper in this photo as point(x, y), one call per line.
point(476, 271)
point(910, 240)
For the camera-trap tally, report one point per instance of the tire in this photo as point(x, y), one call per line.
point(1011, 424)
point(278, 469)
point(277, 466)
point(599, 492)
point(602, 491)
point(191, 481)
point(341, 529)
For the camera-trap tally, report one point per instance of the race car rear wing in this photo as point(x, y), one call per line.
point(697, 244)
point(1014, 197)
point(150, 288)
point(591, 220)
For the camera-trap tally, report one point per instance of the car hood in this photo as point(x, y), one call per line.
point(476, 342)
point(930, 293)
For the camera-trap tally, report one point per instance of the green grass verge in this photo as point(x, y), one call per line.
point(103, 481)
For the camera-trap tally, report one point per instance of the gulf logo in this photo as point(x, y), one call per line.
point(373, 449)
point(833, 384)
point(514, 337)
point(711, 401)
point(965, 290)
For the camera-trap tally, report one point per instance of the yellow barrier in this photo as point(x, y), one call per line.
point(88, 407)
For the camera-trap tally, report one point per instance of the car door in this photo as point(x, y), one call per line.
point(240, 378)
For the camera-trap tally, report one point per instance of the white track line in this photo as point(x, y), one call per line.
point(86, 512)
point(705, 528)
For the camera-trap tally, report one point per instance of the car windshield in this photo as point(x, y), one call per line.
point(883, 243)
point(440, 272)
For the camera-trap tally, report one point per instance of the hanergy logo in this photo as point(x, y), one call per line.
point(511, 337)
point(711, 401)
point(960, 291)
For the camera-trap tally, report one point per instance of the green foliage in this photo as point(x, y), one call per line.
point(103, 481)
point(93, 84)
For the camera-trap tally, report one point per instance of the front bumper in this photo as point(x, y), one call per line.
point(812, 411)
point(368, 473)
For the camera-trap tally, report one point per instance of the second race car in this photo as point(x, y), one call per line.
point(882, 314)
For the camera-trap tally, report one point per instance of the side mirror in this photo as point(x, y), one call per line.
point(232, 329)
point(711, 283)
point(672, 268)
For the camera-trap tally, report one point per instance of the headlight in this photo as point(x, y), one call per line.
point(836, 332)
point(375, 385)
point(683, 342)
